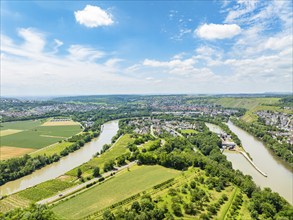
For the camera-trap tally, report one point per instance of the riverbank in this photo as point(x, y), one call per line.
point(64, 164)
point(279, 177)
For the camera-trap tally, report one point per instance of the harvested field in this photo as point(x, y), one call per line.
point(60, 123)
point(7, 152)
point(8, 132)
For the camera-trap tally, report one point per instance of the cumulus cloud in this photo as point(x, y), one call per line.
point(217, 31)
point(93, 16)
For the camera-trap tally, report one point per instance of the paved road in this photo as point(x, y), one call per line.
point(63, 194)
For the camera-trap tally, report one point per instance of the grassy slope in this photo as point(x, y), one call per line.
point(252, 105)
point(188, 131)
point(55, 148)
point(119, 148)
point(116, 189)
point(147, 144)
point(250, 115)
point(247, 103)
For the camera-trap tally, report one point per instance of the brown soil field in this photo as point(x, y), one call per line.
point(7, 152)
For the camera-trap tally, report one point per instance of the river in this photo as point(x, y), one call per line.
point(65, 164)
point(280, 177)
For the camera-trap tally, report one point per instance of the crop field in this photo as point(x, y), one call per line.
point(122, 186)
point(12, 202)
point(9, 132)
point(16, 136)
point(60, 123)
point(44, 190)
point(20, 125)
point(33, 194)
point(9, 152)
point(119, 148)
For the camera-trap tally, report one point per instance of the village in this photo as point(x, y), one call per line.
point(283, 123)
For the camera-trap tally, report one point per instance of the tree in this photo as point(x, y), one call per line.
point(96, 172)
point(109, 165)
point(79, 173)
point(135, 206)
point(177, 209)
point(108, 215)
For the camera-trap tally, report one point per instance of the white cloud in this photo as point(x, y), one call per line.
point(57, 44)
point(170, 64)
point(217, 31)
point(93, 16)
point(279, 43)
point(34, 40)
point(242, 8)
point(45, 73)
point(186, 69)
point(83, 53)
point(113, 62)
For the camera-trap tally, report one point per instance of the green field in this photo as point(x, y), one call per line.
point(20, 125)
point(188, 131)
point(122, 186)
point(32, 135)
point(33, 194)
point(39, 137)
point(44, 190)
point(119, 148)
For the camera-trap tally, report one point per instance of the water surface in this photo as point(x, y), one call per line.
point(65, 164)
point(280, 176)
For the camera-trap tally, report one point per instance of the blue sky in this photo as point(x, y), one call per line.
point(145, 47)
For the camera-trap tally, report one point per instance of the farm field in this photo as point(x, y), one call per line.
point(21, 125)
point(119, 148)
point(60, 123)
point(21, 137)
point(124, 185)
point(9, 132)
point(9, 152)
point(33, 194)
